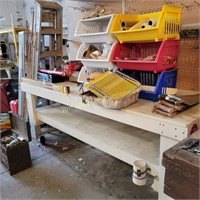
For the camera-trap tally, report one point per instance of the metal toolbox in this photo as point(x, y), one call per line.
point(15, 157)
point(182, 169)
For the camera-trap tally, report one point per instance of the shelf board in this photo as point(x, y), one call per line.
point(138, 114)
point(117, 139)
point(50, 31)
point(53, 53)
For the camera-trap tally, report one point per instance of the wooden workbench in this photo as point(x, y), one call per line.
point(128, 134)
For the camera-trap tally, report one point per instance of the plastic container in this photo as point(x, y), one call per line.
point(154, 84)
point(14, 106)
point(85, 72)
point(115, 90)
point(153, 57)
point(166, 27)
point(102, 61)
point(96, 29)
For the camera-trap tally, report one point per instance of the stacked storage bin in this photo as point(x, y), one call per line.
point(95, 33)
point(148, 48)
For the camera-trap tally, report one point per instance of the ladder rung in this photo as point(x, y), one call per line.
point(49, 31)
point(46, 54)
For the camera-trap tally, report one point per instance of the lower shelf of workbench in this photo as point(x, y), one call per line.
point(122, 141)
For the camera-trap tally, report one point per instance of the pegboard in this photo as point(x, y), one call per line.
point(188, 62)
point(191, 8)
point(188, 74)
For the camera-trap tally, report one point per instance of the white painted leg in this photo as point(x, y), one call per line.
point(155, 184)
point(35, 131)
point(8, 73)
point(34, 122)
point(165, 143)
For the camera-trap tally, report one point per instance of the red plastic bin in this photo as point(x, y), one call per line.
point(153, 56)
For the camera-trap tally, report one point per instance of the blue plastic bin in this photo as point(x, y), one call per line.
point(160, 80)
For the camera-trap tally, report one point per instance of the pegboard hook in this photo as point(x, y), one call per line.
point(198, 4)
point(168, 1)
point(185, 6)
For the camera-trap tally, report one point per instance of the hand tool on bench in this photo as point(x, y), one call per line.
point(164, 108)
point(59, 88)
point(164, 113)
point(170, 105)
point(188, 100)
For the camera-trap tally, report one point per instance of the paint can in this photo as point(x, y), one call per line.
point(139, 172)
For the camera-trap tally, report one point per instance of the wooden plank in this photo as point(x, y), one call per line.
point(119, 140)
point(30, 47)
point(52, 45)
point(59, 43)
point(31, 105)
point(49, 5)
point(52, 48)
point(59, 37)
point(36, 41)
point(59, 19)
point(11, 30)
point(46, 54)
point(50, 31)
point(21, 72)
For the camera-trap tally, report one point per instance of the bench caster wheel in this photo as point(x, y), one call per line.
point(42, 140)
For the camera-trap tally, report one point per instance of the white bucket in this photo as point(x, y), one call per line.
point(139, 172)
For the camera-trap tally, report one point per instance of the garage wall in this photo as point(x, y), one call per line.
point(74, 10)
point(12, 10)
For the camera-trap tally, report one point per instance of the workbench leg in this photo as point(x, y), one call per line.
point(165, 144)
point(8, 73)
point(35, 131)
point(34, 122)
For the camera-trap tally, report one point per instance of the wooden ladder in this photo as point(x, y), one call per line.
point(46, 31)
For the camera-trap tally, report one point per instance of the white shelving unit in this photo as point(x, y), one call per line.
point(97, 29)
point(101, 62)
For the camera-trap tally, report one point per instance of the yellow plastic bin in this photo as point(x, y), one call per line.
point(148, 27)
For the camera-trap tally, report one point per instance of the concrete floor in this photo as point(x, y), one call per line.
point(66, 168)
